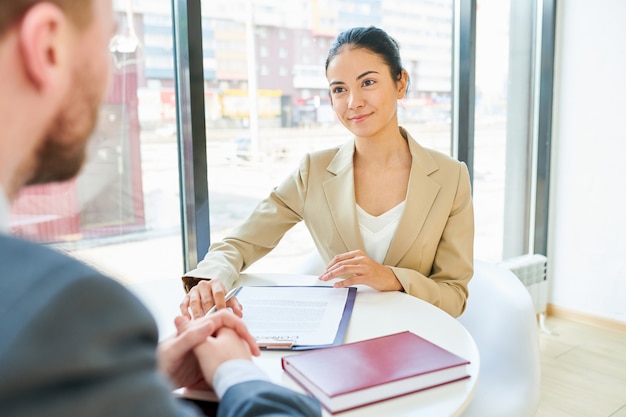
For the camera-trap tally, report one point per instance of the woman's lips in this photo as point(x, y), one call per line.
point(360, 118)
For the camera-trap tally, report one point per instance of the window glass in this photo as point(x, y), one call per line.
point(122, 212)
point(504, 77)
point(266, 102)
point(268, 95)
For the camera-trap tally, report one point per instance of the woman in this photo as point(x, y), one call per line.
point(382, 210)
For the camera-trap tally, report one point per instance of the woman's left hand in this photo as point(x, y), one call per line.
point(360, 269)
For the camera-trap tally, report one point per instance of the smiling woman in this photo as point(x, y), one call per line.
point(382, 210)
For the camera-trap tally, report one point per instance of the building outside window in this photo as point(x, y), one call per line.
point(266, 105)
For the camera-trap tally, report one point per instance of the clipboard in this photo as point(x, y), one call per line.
point(277, 306)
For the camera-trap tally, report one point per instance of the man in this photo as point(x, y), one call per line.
point(73, 342)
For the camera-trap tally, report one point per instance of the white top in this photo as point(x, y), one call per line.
point(377, 231)
point(4, 213)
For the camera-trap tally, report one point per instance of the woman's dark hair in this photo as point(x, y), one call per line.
point(373, 39)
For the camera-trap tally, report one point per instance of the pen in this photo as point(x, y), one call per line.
point(230, 294)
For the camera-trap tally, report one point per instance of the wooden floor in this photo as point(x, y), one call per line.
point(583, 371)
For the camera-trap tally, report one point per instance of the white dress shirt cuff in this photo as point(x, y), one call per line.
point(235, 372)
point(4, 213)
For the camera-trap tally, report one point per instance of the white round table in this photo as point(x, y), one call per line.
point(375, 314)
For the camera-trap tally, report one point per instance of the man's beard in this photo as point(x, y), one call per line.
point(62, 154)
point(58, 162)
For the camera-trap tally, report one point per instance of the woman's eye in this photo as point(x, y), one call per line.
point(368, 83)
point(338, 90)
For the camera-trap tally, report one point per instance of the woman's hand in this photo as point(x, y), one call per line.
point(206, 294)
point(360, 269)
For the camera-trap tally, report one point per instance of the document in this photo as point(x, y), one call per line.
point(297, 317)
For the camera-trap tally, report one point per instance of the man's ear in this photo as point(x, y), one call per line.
point(42, 43)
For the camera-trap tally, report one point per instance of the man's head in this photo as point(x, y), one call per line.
point(12, 11)
point(56, 57)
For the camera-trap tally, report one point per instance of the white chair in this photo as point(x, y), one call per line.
point(500, 316)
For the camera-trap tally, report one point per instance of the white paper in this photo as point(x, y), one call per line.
point(302, 315)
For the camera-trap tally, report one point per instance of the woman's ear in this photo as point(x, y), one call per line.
point(41, 43)
point(402, 84)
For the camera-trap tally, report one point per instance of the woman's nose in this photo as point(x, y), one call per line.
point(356, 100)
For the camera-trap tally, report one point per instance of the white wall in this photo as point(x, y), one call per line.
point(587, 247)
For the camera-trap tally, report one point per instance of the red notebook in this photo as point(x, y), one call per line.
point(356, 374)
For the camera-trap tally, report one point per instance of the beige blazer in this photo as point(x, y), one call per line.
point(431, 252)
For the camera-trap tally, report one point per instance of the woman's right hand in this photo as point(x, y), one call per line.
point(206, 294)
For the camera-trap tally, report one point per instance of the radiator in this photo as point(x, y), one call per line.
point(531, 269)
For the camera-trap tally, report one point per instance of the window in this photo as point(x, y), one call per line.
point(503, 127)
point(261, 116)
point(252, 146)
point(122, 212)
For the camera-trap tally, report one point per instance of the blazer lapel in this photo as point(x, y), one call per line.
point(421, 194)
point(339, 191)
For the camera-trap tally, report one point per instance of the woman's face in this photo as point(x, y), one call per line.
point(363, 93)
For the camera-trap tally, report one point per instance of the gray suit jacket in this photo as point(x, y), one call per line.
point(431, 253)
point(76, 343)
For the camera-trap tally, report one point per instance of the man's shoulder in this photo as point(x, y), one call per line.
point(40, 282)
point(29, 268)
point(30, 258)
point(17, 243)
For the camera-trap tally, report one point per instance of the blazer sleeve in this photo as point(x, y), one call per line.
point(445, 285)
point(258, 235)
point(263, 398)
point(85, 347)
